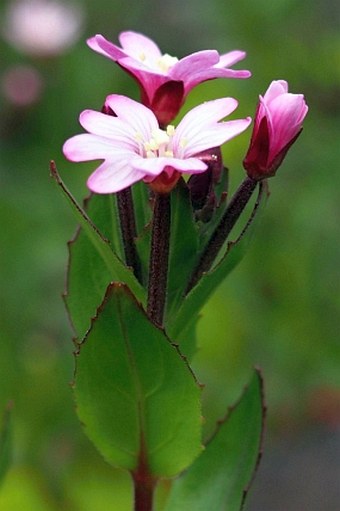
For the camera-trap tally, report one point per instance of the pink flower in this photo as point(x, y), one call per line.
point(164, 80)
point(134, 147)
point(22, 85)
point(42, 28)
point(278, 123)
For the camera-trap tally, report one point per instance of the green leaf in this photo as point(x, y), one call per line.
point(135, 394)
point(88, 276)
point(5, 443)
point(143, 246)
point(234, 253)
point(187, 337)
point(219, 479)
point(141, 200)
point(93, 261)
point(183, 246)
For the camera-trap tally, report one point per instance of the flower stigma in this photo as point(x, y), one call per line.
point(160, 143)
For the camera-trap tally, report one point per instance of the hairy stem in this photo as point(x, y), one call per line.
point(128, 230)
point(158, 269)
point(219, 236)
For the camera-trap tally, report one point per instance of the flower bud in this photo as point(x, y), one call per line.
point(278, 123)
point(202, 186)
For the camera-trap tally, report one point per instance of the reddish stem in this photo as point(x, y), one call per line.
point(128, 230)
point(219, 236)
point(144, 484)
point(159, 255)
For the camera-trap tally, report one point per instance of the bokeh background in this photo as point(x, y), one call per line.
point(278, 310)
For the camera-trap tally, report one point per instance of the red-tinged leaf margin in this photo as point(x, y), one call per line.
point(137, 462)
point(258, 372)
point(119, 272)
point(80, 321)
point(184, 490)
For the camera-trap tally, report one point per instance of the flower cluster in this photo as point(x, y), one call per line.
point(137, 141)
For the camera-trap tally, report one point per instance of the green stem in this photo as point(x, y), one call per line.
point(236, 206)
point(159, 255)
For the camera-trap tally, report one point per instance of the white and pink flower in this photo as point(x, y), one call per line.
point(165, 80)
point(134, 147)
point(278, 123)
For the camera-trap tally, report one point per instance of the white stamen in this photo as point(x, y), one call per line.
point(170, 130)
point(160, 136)
point(160, 143)
point(165, 62)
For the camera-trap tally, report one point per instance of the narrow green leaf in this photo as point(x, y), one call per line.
point(5, 443)
point(103, 211)
point(93, 263)
point(135, 394)
point(143, 245)
point(220, 478)
point(87, 275)
point(183, 246)
point(143, 211)
point(235, 251)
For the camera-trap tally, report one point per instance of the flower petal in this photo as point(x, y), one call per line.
point(101, 45)
point(196, 62)
point(113, 176)
point(138, 45)
point(137, 116)
point(231, 58)
point(218, 135)
point(149, 80)
point(275, 89)
point(86, 147)
point(212, 73)
point(121, 135)
point(154, 166)
point(207, 113)
point(287, 112)
point(199, 128)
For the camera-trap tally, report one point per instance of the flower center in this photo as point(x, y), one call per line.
point(160, 143)
point(165, 62)
point(162, 64)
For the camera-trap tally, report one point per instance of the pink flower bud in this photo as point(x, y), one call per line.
point(278, 123)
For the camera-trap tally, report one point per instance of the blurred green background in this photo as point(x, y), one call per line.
point(280, 307)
